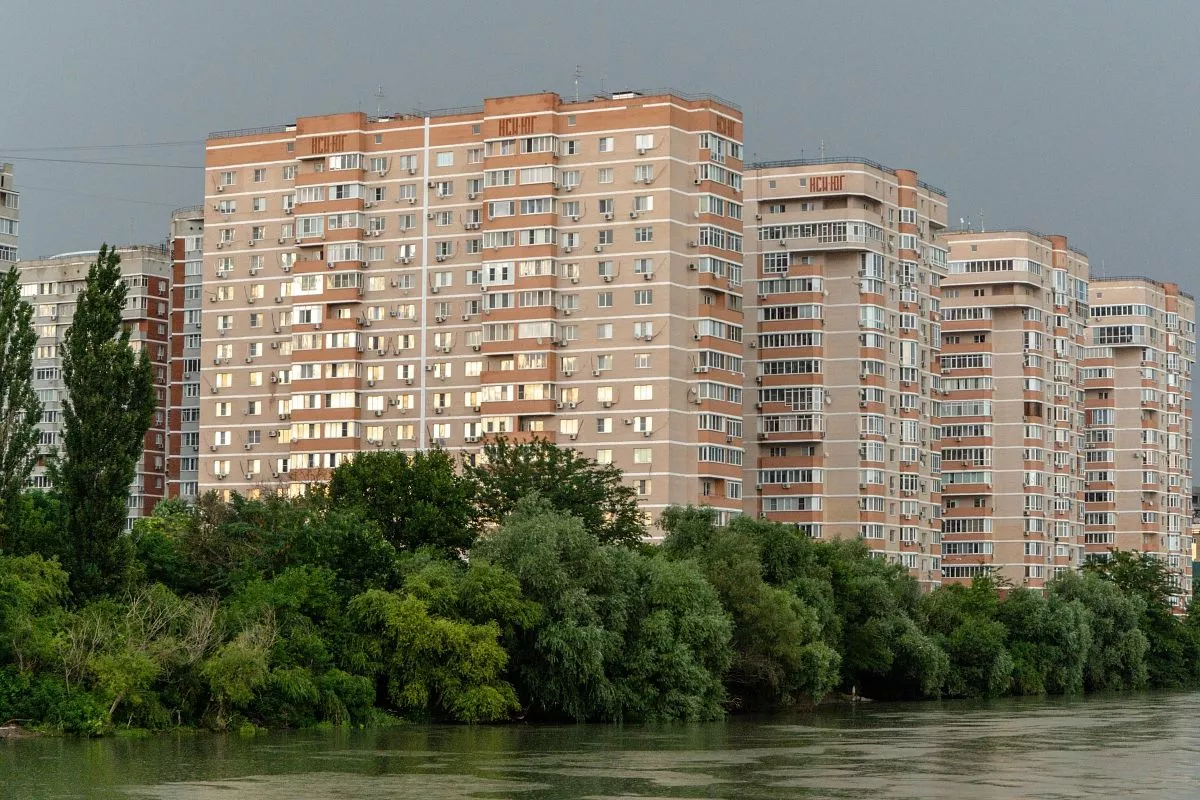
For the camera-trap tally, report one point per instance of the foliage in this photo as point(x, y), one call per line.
point(20, 409)
point(345, 606)
point(108, 404)
point(416, 500)
point(594, 493)
point(779, 653)
point(622, 635)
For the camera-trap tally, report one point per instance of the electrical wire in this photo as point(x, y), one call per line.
point(105, 163)
point(194, 142)
point(26, 187)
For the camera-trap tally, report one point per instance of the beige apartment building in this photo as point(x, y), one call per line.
point(1015, 314)
point(1138, 380)
point(187, 293)
point(51, 285)
point(531, 268)
point(10, 217)
point(844, 330)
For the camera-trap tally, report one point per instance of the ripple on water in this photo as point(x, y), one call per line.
point(349, 785)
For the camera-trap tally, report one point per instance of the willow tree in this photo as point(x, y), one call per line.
point(20, 408)
point(107, 410)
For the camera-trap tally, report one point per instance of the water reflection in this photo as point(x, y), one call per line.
point(1133, 746)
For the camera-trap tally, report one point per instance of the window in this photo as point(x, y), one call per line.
point(604, 300)
point(606, 144)
point(643, 297)
point(644, 141)
point(643, 234)
point(643, 392)
point(642, 455)
point(260, 175)
point(604, 175)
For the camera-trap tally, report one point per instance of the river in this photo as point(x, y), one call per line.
point(1143, 745)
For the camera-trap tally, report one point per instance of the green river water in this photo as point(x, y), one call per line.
point(1143, 745)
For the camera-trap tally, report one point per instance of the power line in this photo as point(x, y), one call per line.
point(107, 163)
point(26, 187)
point(102, 146)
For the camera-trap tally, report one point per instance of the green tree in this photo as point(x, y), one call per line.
point(779, 653)
point(621, 634)
point(107, 409)
point(592, 492)
point(20, 409)
point(1116, 658)
point(417, 500)
point(1173, 660)
point(433, 665)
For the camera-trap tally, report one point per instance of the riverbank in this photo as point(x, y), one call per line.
point(335, 608)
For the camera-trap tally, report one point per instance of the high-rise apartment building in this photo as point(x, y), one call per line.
point(51, 286)
point(1138, 377)
point(844, 326)
point(10, 216)
point(187, 296)
point(531, 268)
point(1015, 311)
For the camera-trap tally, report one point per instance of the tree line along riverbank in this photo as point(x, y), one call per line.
point(414, 587)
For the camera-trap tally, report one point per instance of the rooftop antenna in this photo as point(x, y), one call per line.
point(603, 80)
point(822, 149)
point(981, 228)
point(379, 100)
point(578, 75)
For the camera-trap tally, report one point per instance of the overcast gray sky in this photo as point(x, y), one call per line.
point(1066, 117)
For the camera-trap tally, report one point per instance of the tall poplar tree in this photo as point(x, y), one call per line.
point(20, 408)
point(107, 410)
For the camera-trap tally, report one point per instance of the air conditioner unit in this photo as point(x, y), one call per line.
point(274, 434)
point(608, 278)
point(379, 412)
point(595, 373)
point(437, 410)
point(568, 249)
point(249, 446)
point(212, 448)
point(599, 248)
point(476, 409)
point(648, 276)
point(471, 195)
point(608, 215)
point(641, 151)
point(574, 218)
point(691, 243)
point(412, 201)
point(607, 404)
point(627, 421)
